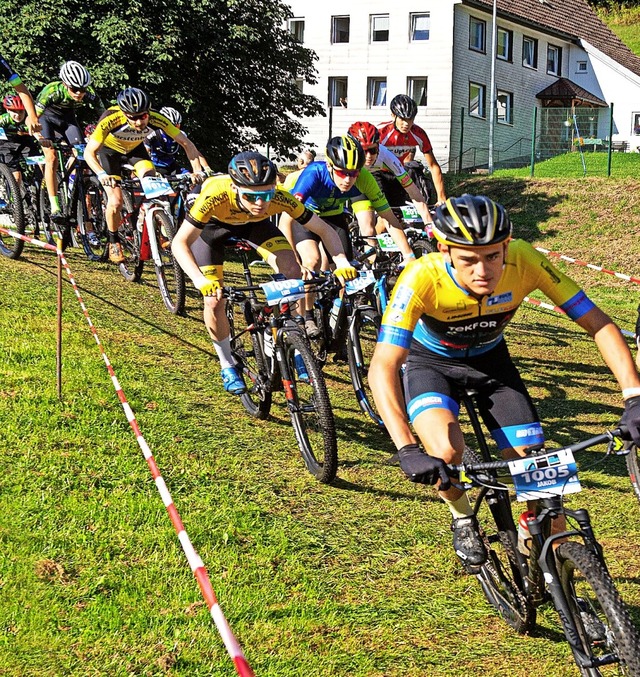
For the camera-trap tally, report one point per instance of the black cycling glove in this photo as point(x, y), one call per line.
point(631, 419)
point(420, 467)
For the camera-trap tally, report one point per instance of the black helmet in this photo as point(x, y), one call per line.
point(471, 221)
point(252, 169)
point(345, 152)
point(404, 107)
point(133, 101)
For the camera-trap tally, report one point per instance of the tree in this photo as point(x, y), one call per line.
point(230, 67)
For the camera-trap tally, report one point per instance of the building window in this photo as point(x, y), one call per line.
point(530, 52)
point(300, 84)
point(581, 67)
point(338, 92)
point(636, 124)
point(376, 92)
point(504, 107)
point(340, 29)
point(419, 25)
point(296, 28)
point(379, 28)
point(417, 90)
point(477, 35)
point(477, 100)
point(505, 45)
point(554, 60)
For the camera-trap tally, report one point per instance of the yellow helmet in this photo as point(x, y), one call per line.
point(345, 152)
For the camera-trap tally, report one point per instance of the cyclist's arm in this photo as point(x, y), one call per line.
point(612, 347)
point(181, 248)
point(436, 176)
point(27, 101)
point(396, 231)
point(330, 239)
point(198, 163)
point(420, 203)
point(91, 158)
point(384, 381)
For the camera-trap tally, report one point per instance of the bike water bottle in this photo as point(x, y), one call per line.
point(335, 309)
point(524, 537)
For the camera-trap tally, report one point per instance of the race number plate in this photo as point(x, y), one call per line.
point(535, 477)
point(386, 243)
point(365, 279)
point(410, 213)
point(35, 160)
point(283, 290)
point(3, 135)
point(155, 186)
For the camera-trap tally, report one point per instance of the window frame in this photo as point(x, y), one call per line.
point(411, 89)
point(509, 55)
point(482, 101)
point(582, 70)
point(558, 71)
point(533, 41)
point(373, 91)
point(508, 108)
point(296, 20)
point(333, 95)
point(412, 27)
point(474, 21)
point(372, 18)
point(334, 31)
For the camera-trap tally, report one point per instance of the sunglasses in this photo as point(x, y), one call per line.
point(372, 150)
point(140, 116)
point(255, 195)
point(78, 90)
point(346, 173)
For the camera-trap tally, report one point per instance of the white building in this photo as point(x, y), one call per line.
point(552, 55)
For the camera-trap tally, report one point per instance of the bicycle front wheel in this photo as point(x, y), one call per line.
point(11, 214)
point(170, 276)
point(91, 208)
point(633, 466)
point(606, 631)
point(361, 342)
point(309, 407)
point(129, 238)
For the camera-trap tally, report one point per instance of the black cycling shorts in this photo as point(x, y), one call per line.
point(208, 249)
point(16, 148)
point(112, 161)
point(63, 124)
point(434, 381)
point(340, 223)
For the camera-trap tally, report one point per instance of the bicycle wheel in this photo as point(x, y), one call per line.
point(424, 246)
point(170, 276)
point(247, 349)
point(310, 408)
point(11, 214)
point(633, 466)
point(92, 223)
point(45, 211)
point(604, 625)
point(361, 342)
point(502, 576)
point(31, 202)
point(129, 238)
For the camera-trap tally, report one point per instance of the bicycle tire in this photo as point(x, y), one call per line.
point(310, 408)
point(501, 576)
point(248, 352)
point(130, 239)
point(424, 246)
point(361, 342)
point(11, 214)
point(633, 466)
point(171, 280)
point(91, 209)
point(602, 618)
point(31, 202)
point(45, 212)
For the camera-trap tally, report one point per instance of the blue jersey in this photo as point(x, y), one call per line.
point(162, 149)
point(8, 73)
point(317, 191)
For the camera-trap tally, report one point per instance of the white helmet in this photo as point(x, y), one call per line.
point(173, 115)
point(74, 74)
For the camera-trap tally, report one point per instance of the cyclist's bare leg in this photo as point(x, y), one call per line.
point(50, 169)
point(113, 212)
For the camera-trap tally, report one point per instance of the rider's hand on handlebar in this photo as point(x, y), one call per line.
point(345, 274)
point(422, 468)
point(209, 287)
point(631, 419)
point(108, 181)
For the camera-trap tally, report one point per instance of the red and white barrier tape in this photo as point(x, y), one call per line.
point(548, 306)
point(195, 562)
point(600, 269)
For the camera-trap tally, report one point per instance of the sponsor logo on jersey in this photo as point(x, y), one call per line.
point(402, 297)
point(501, 298)
point(480, 324)
point(548, 269)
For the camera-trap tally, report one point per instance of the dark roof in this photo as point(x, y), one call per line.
point(566, 91)
point(570, 18)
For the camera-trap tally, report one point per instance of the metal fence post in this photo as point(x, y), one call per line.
point(533, 140)
point(610, 134)
point(461, 139)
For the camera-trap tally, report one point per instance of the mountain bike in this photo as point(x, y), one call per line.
point(633, 466)
point(146, 233)
point(568, 568)
point(272, 352)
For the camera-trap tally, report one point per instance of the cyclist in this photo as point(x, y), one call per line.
point(18, 142)
point(401, 136)
point(162, 149)
point(118, 139)
point(379, 158)
point(25, 95)
point(325, 187)
point(239, 204)
point(445, 321)
point(57, 104)
point(306, 157)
